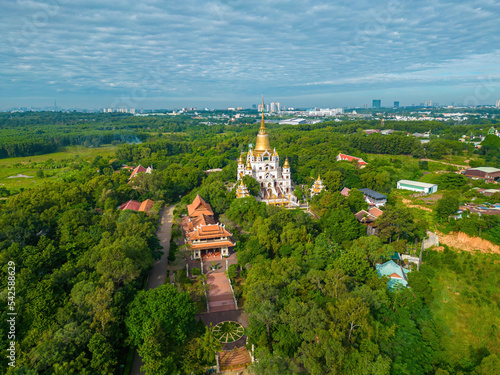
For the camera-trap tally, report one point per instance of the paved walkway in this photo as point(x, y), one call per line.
point(222, 308)
point(158, 273)
point(220, 296)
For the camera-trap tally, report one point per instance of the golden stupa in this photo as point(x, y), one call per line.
point(286, 165)
point(262, 138)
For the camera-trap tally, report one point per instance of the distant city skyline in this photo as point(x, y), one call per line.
point(226, 53)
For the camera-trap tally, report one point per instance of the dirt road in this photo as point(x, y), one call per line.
point(158, 273)
point(444, 162)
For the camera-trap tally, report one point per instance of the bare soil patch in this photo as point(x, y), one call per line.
point(462, 241)
point(409, 203)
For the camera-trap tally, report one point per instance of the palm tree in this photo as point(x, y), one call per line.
point(209, 345)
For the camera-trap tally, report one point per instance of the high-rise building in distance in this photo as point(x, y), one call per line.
point(498, 104)
point(376, 103)
point(396, 104)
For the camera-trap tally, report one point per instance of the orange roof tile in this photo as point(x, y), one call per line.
point(146, 205)
point(395, 276)
point(208, 231)
point(188, 224)
point(199, 207)
point(211, 245)
point(375, 211)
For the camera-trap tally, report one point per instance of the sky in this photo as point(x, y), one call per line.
point(227, 53)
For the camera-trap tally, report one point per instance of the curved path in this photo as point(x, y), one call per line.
point(158, 273)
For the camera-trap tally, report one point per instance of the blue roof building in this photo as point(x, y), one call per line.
point(394, 271)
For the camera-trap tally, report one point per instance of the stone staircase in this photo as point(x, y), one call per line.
point(234, 359)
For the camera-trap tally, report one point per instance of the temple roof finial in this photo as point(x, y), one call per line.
point(262, 129)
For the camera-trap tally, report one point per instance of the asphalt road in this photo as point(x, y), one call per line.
point(158, 273)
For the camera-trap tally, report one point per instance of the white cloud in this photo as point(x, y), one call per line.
point(237, 49)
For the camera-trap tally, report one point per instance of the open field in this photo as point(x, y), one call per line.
point(29, 165)
point(65, 153)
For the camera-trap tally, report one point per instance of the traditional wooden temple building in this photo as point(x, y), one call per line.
point(317, 187)
point(203, 234)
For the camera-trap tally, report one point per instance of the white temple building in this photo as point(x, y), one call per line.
point(262, 163)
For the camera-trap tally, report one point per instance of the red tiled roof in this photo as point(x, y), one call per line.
point(199, 207)
point(345, 192)
point(138, 169)
point(137, 206)
point(351, 158)
point(130, 205)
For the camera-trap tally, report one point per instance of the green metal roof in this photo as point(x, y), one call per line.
point(390, 267)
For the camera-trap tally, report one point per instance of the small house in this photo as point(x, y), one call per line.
point(395, 272)
point(374, 198)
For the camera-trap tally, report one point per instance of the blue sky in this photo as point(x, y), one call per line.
point(166, 54)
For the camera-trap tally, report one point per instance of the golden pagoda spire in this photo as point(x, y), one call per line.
point(249, 166)
point(262, 129)
point(262, 144)
point(240, 161)
point(319, 178)
point(286, 165)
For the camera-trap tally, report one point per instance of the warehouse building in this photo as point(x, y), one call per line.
point(488, 174)
point(421, 187)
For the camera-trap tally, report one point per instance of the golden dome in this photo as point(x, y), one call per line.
point(262, 144)
point(240, 161)
point(249, 166)
point(286, 165)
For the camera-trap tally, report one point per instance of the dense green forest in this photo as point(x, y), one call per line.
point(315, 302)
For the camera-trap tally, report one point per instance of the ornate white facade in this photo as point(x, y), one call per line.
point(262, 163)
